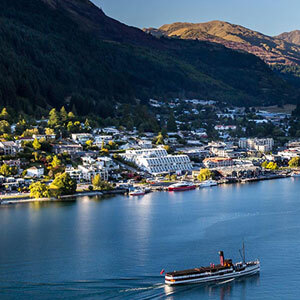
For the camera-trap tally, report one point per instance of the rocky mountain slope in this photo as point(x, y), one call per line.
point(273, 50)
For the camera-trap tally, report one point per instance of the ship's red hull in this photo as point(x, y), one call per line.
point(181, 188)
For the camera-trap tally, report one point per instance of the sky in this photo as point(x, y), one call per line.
point(270, 17)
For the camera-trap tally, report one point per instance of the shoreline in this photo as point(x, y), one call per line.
point(157, 188)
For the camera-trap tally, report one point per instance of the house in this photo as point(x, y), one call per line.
point(217, 162)
point(67, 147)
point(145, 144)
point(35, 172)
point(9, 148)
point(99, 139)
point(81, 138)
point(47, 137)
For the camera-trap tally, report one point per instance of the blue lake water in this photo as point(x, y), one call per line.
point(115, 248)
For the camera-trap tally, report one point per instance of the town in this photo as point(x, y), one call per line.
point(185, 140)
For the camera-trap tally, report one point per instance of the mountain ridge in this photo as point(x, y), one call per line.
point(273, 50)
point(68, 52)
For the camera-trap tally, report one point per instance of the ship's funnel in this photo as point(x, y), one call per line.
point(221, 253)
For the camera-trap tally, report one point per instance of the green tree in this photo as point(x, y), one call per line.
point(4, 127)
point(36, 144)
point(63, 115)
point(87, 125)
point(4, 170)
point(71, 115)
point(171, 124)
point(4, 115)
point(39, 190)
point(63, 185)
point(70, 126)
point(294, 162)
point(53, 118)
point(204, 174)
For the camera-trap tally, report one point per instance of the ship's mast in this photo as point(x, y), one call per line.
point(244, 257)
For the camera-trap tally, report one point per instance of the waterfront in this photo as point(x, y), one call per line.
point(114, 248)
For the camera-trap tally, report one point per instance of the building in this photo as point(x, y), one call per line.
point(102, 139)
point(47, 137)
point(262, 145)
point(158, 161)
point(35, 172)
point(9, 148)
point(217, 162)
point(69, 148)
point(81, 138)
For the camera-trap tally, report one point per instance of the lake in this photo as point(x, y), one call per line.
point(115, 248)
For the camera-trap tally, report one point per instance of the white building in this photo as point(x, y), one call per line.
point(81, 138)
point(9, 148)
point(262, 145)
point(158, 161)
point(99, 139)
point(35, 172)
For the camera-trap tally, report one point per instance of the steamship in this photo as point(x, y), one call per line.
point(223, 271)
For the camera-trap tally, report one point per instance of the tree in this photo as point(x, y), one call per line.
point(294, 162)
point(87, 125)
point(97, 181)
point(204, 174)
point(70, 126)
point(53, 118)
point(63, 115)
point(4, 115)
point(160, 139)
point(272, 166)
point(36, 144)
point(4, 170)
point(4, 127)
point(89, 143)
point(39, 190)
point(49, 131)
point(168, 149)
point(71, 115)
point(171, 124)
point(63, 185)
point(56, 162)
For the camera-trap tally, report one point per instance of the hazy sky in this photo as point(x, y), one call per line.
point(267, 16)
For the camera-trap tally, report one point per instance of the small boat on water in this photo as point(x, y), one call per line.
point(181, 186)
point(224, 271)
point(137, 192)
point(208, 183)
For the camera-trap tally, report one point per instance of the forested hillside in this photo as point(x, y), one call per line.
point(67, 52)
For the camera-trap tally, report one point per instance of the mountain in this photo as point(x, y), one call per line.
point(68, 52)
point(291, 37)
point(273, 50)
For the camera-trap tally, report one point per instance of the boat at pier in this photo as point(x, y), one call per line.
point(181, 186)
point(208, 183)
point(224, 271)
point(137, 192)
